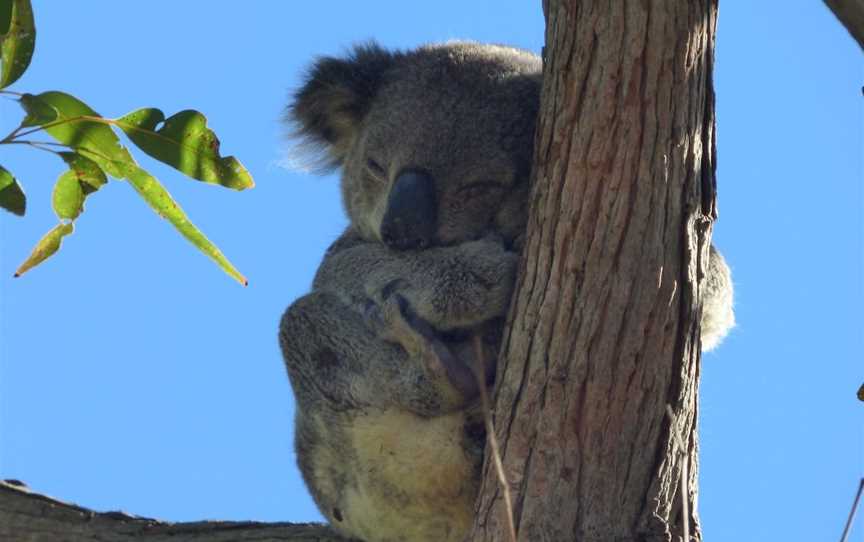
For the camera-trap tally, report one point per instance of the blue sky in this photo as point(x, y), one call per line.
point(135, 375)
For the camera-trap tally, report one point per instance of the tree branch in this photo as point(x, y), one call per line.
point(851, 14)
point(31, 517)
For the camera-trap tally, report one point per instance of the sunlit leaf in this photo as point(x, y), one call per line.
point(11, 194)
point(89, 174)
point(48, 245)
point(184, 142)
point(67, 199)
point(18, 42)
point(78, 126)
point(160, 200)
point(38, 112)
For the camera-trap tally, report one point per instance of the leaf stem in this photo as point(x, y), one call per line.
point(11, 136)
point(41, 145)
point(58, 122)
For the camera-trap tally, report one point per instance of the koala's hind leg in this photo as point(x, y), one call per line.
point(441, 360)
point(337, 356)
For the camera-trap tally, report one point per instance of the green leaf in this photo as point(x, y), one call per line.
point(5, 16)
point(81, 128)
point(48, 245)
point(39, 113)
point(149, 188)
point(16, 49)
point(89, 174)
point(67, 197)
point(11, 194)
point(186, 143)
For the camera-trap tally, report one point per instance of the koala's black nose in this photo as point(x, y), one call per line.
point(411, 219)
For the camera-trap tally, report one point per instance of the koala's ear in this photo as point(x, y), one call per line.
point(327, 110)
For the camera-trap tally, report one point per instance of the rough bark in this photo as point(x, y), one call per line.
point(851, 14)
point(30, 517)
point(604, 328)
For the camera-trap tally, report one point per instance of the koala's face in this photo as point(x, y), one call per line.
point(435, 145)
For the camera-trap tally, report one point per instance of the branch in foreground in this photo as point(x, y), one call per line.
point(29, 516)
point(851, 14)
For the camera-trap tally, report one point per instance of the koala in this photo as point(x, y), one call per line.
point(435, 149)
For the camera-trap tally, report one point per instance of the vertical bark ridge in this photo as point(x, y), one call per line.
point(604, 329)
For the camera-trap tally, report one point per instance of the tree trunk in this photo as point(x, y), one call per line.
point(603, 331)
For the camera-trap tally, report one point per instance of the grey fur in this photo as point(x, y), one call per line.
point(388, 437)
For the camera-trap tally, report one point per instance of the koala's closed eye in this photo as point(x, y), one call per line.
point(482, 188)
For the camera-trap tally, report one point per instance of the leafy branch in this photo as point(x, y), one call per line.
point(92, 152)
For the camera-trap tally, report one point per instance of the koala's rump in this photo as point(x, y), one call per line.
point(413, 478)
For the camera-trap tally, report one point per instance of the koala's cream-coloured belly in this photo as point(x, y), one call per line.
point(414, 481)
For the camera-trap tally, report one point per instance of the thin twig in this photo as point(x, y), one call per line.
point(44, 143)
point(41, 145)
point(490, 432)
point(853, 511)
point(12, 135)
point(685, 476)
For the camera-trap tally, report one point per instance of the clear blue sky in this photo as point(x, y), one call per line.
point(134, 375)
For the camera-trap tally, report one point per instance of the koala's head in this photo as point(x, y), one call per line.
point(435, 144)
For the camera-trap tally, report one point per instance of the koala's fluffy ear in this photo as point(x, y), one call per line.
point(327, 110)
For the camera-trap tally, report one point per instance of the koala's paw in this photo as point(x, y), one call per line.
point(471, 285)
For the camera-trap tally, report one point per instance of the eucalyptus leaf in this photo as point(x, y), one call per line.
point(11, 194)
point(83, 129)
point(67, 199)
point(5, 16)
point(98, 151)
point(89, 174)
point(184, 141)
point(38, 112)
point(16, 50)
point(47, 246)
point(158, 198)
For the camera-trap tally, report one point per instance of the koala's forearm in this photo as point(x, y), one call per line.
point(346, 267)
point(450, 287)
point(360, 271)
point(462, 286)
